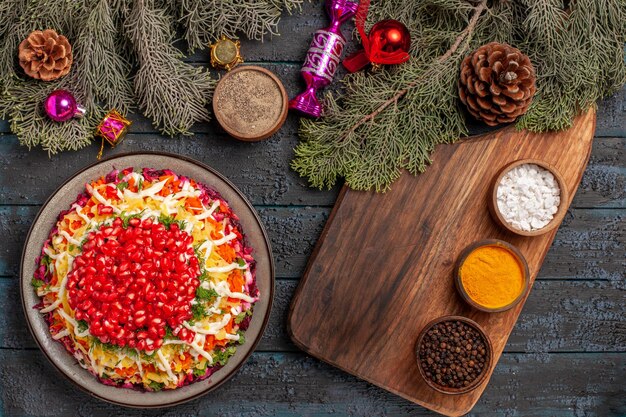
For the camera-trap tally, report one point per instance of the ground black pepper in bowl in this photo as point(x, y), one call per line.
point(453, 354)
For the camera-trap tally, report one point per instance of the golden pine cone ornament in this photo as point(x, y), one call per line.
point(497, 83)
point(45, 55)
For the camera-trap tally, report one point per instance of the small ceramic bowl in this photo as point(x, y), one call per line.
point(477, 381)
point(558, 216)
point(491, 242)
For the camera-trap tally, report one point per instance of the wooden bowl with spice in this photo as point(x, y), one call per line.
point(454, 354)
point(250, 103)
point(492, 275)
point(528, 197)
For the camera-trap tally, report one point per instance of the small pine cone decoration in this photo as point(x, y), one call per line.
point(45, 55)
point(497, 83)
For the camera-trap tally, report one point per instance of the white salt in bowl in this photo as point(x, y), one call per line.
point(501, 219)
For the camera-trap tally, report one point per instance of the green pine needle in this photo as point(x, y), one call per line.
point(124, 58)
point(391, 120)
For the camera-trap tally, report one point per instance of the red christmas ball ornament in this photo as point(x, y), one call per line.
point(388, 37)
point(387, 43)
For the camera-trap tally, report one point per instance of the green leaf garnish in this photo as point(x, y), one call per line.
point(82, 325)
point(126, 217)
point(37, 283)
point(169, 334)
point(242, 337)
point(239, 317)
point(198, 311)
point(206, 295)
point(156, 386)
point(199, 372)
point(168, 221)
point(222, 356)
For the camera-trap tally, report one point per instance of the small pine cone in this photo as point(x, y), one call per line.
point(45, 55)
point(497, 83)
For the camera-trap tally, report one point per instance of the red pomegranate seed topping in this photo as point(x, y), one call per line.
point(120, 285)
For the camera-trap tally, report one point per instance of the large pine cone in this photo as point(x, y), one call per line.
point(497, 83)
point(45, 55)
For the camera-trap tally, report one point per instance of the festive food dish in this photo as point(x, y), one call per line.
point(147, 280)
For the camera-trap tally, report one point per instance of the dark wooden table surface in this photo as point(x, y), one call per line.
point(566, 356)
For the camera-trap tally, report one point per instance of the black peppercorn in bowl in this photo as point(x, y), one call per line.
point(454, 354)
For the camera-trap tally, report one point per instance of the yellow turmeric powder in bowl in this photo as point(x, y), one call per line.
point(492, 275)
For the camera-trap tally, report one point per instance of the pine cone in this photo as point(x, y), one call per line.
point(497, 83)
point(45, 55)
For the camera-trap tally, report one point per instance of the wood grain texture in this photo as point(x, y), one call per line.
point(293, 232)
point(579, 307)
point(382, 268)
point(266, 178)
point(292, 384)
point(559, 316)
point(587, 245)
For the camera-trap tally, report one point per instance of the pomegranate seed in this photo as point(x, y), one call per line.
point(107, 325)
point(102, 209)
point(129, 284)
point(153, 333)
point(140, 321)
point(168, 309)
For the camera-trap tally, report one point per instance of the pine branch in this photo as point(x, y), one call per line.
point(174, 94)
point(392, 120)
point(204, 21)
point(100, 73)
point(110, 39)
point(579, 54)
point(453, 49)
point(21, 98)
point(34, 128)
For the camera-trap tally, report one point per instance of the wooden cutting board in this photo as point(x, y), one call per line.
point(382, 268)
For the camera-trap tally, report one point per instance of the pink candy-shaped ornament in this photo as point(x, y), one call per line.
point(323, 57)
